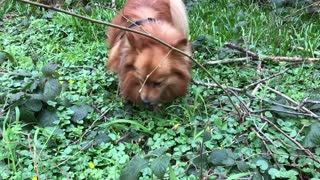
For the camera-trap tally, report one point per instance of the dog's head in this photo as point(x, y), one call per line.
point(150, 72)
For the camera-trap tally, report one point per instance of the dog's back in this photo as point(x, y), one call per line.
point(140, 9)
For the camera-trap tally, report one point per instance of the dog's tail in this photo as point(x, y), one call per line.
point(179, 16)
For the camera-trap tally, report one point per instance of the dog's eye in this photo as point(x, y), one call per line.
point(156, 83)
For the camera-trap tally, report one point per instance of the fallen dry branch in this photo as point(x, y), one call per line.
point(293, 102)
point(247, 52)
point(210, 85)
point(315, 53)
point(227, 61)
point(290, 59)
point(255, 56)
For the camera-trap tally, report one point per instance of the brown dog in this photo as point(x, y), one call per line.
point(148, 71)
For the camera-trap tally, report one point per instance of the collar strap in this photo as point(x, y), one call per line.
point(140, 22)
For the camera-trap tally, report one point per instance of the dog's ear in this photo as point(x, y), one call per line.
point(113, 60)
point(183, 45)
point(132, 41)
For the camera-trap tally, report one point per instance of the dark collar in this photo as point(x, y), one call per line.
point(140, 22)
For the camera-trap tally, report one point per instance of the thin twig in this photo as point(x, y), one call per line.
point(212, 85)
point(300, 131)
point(292, 101)
point(226, 61)
point(158, 66)
point(35, 165)
point(91, 126)
point(140, 33)
point(307, 151)
point(247, 52)
point(266, 79)
point(64, 161)
point(255, 56)
point(266, 146)
point(286, 112)
point(290, 59)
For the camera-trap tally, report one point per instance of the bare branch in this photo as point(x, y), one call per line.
point(292, 101)
point(266, 79)
point(255, 56)
point(226, 61)
point(247, 52)
point(307, 151)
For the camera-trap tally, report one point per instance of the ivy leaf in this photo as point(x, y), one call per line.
point(49, 69)
point(52, 89)
point(158, 152)
point(243, 166)
point(47, 118)
point(133, 168)
point(160, 165)
point(34, 105)
point(262, 164)
point(80, 112)
point(16, 96)
point(222, 157)
point(312, 139)
point(268, 114)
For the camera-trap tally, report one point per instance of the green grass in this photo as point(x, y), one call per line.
point(84, 121)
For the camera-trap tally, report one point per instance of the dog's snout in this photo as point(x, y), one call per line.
point(146, 101)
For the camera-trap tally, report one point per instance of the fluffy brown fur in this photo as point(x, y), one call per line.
point(133, 57)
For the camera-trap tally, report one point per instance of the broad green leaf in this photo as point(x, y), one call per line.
point(16, 96)
point(36, 96)
point(80, 112)
point(47, 118)
point(257, 176)
point(222, 157)
point(102, 138)
point(27, 115)
point(157, 152)
point(160, 165)
point(133, 168)
point(239, 175)
point(312, 139)
point(52, 89)
point(34, 105)
point(243, 166)
point(49, 69)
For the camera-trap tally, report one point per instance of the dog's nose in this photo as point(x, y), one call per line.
point(146, 102)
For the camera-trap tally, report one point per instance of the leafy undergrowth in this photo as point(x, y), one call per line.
point(62, 117)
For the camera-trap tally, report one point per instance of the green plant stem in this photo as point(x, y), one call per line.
point(140, 33)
